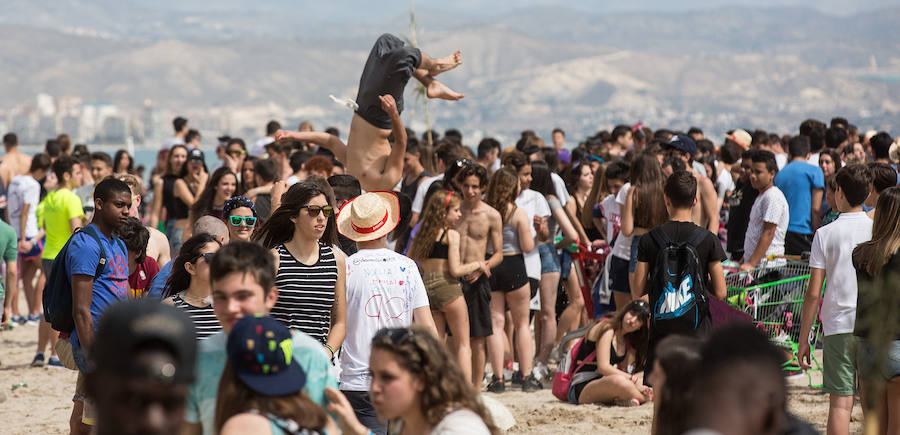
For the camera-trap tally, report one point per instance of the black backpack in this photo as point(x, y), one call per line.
point(678, 294)
point(57, 297)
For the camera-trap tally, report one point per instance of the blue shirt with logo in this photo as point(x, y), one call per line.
point(797, 180)
point(111, 286)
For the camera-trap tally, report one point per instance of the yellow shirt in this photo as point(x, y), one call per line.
point(54, 213)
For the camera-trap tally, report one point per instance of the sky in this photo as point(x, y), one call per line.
point(359, 9)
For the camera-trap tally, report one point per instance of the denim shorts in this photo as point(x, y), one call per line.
point(174, 235)
point(868, 369)
point(633, 260)
point(565, 263)
point(549, 258)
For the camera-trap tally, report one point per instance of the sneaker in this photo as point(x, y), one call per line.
point(18, 320)
point(54, 362)
point(496, 385)
point(541, 371)
point(517, 378)
point(792, 374)
point(38, 360)
point(531, 384)
point(33, 319)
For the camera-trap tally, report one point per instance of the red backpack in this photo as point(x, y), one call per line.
point(567, 368)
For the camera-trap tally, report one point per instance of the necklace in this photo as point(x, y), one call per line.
point(206, 300)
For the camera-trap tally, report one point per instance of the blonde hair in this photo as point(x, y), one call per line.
point(434, 219)
point(885, 242)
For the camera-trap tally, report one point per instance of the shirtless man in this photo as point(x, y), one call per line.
point(14, 162)
point(368, 154)
point(705, 214)
point(479, 224)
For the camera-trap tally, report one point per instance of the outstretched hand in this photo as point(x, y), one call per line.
point(389, 105)
point(282, 134)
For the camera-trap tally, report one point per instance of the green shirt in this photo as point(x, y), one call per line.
point(211, 357)
point(54, 213)
point(7, 248)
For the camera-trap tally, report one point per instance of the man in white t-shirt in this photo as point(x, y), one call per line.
point(259, 147)
point(831, 257)
point(22, 201)
point(384, 290)
point(769, 215)
point(181, 128)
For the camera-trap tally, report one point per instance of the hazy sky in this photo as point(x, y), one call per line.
point(362, 9)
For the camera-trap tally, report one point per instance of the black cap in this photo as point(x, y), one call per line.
point(682, 143)
point(129, 326)
point(195, 155)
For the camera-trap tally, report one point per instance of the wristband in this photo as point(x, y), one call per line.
point(327, 346)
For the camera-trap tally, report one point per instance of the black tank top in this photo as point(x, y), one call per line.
point(176, 207)
point(410, 189)
point(439, 249)
point(587, 347)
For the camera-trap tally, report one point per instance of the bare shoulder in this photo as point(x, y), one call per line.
point(246, 423)
point(453, 235)
point(339, 256)
point(490, 212)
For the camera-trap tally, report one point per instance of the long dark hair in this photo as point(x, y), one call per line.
point(170, 170)
point(678, 357)
point(541, 181)
point(120, 154)
point(648, 177)
point(636, 340)
point(180, 279)
point(234, 398)
point(204, 203)
point(279, 228)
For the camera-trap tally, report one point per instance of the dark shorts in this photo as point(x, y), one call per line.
point(478, 304)
point(36, 251)
point(390, 65)
point(510, 274)
point(796, 243)
point(618, 275)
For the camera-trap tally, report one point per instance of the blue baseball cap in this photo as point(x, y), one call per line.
point(260, 353)
point(682, 143)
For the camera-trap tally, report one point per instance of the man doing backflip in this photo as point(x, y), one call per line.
point(368, 154)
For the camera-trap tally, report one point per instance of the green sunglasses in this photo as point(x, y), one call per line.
point(248, 221)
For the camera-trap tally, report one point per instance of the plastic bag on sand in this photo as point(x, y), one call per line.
point(503, 419)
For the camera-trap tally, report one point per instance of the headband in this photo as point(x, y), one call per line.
point(449, 195)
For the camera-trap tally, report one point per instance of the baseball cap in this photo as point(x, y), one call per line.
point(260, 353)
point(129, 326)
point(195, 155)
point(683, 143)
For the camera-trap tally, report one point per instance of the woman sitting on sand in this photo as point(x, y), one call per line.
point(614, 376)
point(418, 387)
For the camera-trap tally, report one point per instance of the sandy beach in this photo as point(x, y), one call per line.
point(45, 404)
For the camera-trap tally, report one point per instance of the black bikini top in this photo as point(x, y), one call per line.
point(439, 249)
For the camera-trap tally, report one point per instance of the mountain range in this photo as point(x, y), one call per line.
point(534, 67)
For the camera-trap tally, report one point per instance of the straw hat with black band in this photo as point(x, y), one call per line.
point(369, 216)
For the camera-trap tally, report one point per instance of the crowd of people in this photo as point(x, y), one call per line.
point(300, 285)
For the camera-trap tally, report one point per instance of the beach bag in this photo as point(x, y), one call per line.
point(566, 369)
point(678, 284)
point(57, 297)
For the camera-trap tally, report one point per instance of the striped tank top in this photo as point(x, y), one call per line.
point(306, 292)
point(203, 317)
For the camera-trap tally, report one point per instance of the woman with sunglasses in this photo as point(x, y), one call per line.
point(188, 285)
point(240, 217)
point(619, 345)
point(311, 273)
point(417, 387)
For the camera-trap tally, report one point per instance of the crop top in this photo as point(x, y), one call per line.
point(440, 249)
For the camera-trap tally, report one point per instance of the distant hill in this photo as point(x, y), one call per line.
point(532, 68)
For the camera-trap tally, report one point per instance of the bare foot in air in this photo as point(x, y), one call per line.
point(437, 89)
point(445, 64)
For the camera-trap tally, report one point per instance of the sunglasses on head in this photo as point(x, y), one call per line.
point(207, 256)
point(395, 335)
point(248, 220)
point(463, 162)
point(641, 307)
point(313, 210)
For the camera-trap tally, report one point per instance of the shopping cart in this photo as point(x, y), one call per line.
point(772, 294)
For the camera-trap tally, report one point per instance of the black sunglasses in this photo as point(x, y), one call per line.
point(207, 256)
point(313, 210)
point(641, 307)
point(463, 162)
point(395, 335)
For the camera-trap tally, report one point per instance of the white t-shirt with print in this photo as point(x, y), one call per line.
point(622, 247)
point(23, 189)
point(534, 204)
point(832, 250)
point(770, 206)
point(383, 289)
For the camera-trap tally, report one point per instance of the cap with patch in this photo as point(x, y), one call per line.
point(195, 155)
point(682, 143)
point(130, 326)
point(260, 352)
